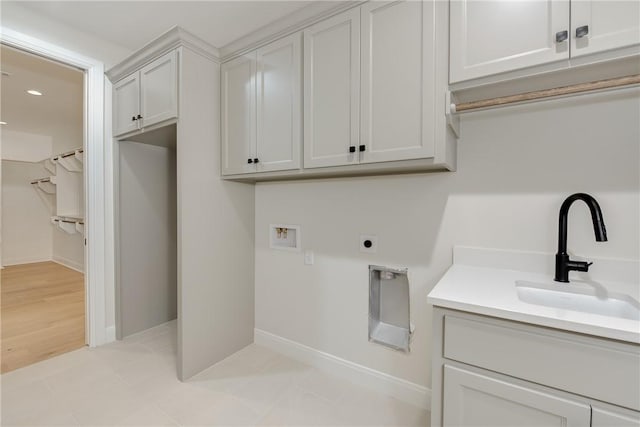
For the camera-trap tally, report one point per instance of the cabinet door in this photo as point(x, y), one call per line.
point(609, 25)
point(332, 91)
point(494, 36)
point(126, 104)
point(397, 87)
point(614, 417)
point(159, 90)
point(472, 399)
point(279, 110)
point(238, 94)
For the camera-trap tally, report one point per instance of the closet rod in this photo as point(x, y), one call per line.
point(547, 93)
point(68, 221)
point(68, 154)
point(41, 180)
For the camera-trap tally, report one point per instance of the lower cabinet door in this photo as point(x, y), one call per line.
point(614, 417)
point(473, 399)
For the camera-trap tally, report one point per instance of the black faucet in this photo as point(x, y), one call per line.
point(563, 264)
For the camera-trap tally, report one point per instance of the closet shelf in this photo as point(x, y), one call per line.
point(71, 160)
point(49, 165)
point(46, 185)
point(69, 225)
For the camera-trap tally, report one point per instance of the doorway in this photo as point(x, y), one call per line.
point(43, 209)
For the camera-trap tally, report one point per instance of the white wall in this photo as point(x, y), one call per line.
point(516, 165)
point(68, 249)
point(26, 21)
point(26, 227)
point(25, 147)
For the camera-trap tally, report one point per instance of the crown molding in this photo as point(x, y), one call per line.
point(171, 39)
point(296, 21)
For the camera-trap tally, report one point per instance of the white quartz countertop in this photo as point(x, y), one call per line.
point(481, 282)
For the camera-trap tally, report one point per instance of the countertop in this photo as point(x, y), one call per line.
point(482, 281)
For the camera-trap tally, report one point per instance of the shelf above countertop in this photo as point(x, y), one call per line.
point(482, 281)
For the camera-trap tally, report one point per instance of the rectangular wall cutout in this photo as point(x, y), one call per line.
point(285, 237)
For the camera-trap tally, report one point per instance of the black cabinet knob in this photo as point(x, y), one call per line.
point(582, 31)
point(363, 147)
point(133, 119)
point(139, 117)
point(352, 149)
point(249, 161)
point(562, 36)
point(255, 160)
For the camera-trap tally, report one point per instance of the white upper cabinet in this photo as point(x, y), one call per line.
point(397, 87)
point(332, 91)
point(361, 92)
point(261, 109)
point(600, 25)
point(126, 104)
point(494, 36)
point(238, 95)
point(159, 90)
point(279, 132)
point(489, 37)
point(146, 97)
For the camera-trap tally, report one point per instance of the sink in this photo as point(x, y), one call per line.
point(586, 297)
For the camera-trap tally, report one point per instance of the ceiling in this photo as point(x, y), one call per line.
point(131, 24)
point(58, 110)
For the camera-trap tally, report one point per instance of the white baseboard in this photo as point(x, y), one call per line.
point(6, 262)
point(404, 390)
point(69, 263)
point(110, 334)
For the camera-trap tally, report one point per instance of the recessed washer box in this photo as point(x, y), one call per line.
point(389, 316)
point(284, 237)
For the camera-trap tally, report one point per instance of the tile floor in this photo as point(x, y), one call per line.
point(133, 383)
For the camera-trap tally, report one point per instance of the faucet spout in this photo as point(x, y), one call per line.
point(563, 263)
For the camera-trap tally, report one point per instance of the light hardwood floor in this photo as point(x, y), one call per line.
point(42, 313)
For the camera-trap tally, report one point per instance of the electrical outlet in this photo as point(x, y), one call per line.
point(368, 243)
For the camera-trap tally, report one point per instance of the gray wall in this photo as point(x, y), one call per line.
point(147, 237)
point(215, 238)
point(515, 167)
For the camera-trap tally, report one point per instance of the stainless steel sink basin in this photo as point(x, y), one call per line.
point(585, 297)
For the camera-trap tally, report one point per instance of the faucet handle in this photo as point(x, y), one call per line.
point(578, 265)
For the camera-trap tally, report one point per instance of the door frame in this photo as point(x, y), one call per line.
point(98, 230)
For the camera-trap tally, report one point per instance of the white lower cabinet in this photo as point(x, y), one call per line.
point(474, 399)
point(498, 372)
point(613, 417)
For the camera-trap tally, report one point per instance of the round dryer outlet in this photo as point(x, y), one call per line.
point(368, 243)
